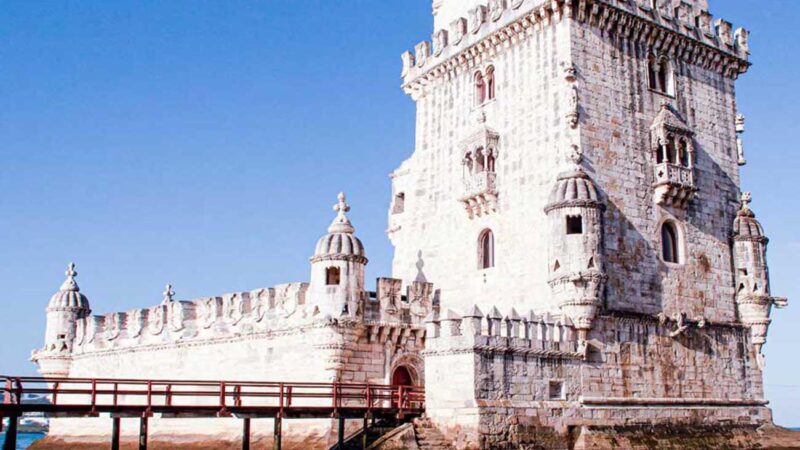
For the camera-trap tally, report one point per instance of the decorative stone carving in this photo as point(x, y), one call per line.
point(739, 146)
point(155, 319)
point(135, 323)
point(480, 153)
point(458, 29)
point(389, 295)
point(113, 326)
point(439, 42)
point(408, 63)
point(177, 315)
point(496, 8)
point(210, 312)
point(477, 16)
point(515, 4)
point(420, 300)
point(261, 301)
point(673, 152)
point(233, 308)
point(422, 52)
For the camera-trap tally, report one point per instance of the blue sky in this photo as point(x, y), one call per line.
point(203, 144)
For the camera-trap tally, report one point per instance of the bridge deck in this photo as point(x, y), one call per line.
point(90, 397)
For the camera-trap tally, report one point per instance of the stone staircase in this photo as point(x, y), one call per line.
point(429, 437)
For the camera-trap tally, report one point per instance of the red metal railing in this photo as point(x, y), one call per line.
point(91, 396)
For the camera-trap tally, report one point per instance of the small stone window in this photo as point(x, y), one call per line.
point(670, 248)
point(574, 225)
point(660, 77)
point(61, 336)
point(480, 89)
point(490, 83)
point(332, 276)
point(484, 84)
point(486, 249)
point(555, 390)
point(399, 203)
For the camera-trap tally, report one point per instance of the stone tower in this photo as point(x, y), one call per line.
point(66, 308)
point(561, 285)
point(337, 268)
point(753, 299)
point(575, 254)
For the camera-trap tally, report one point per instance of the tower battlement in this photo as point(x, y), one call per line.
point(478, 28)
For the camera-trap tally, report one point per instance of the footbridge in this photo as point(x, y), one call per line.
point(142, 399)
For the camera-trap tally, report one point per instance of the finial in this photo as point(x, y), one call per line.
point(70, 284)
point(576, 155)
point(747, 197)
point(341, 207)
point(341, 224)
point(739, 123)
point(168, 293)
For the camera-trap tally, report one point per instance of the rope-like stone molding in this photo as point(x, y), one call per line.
point(495, 350)
point(668, 402)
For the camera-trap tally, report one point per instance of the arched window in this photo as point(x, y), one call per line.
point(490, 160)
point(332, 276)
point(479, 160)
point(486, 249)
point(480, 89)
point(672, 152)
point(683, 150)
point(652, 77)
point(660, 74)
point(670, 249)
point(490, 83)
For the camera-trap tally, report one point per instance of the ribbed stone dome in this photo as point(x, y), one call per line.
point(746, 226)
point(340, 242)
point(69, 295)
point(574, 188)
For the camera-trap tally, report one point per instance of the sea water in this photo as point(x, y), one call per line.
point(24, 440)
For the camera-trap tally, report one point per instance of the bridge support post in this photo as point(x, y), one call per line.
point(340, 437)
point(246, 433)
point(143, 433)
point(115, 433)
point(364, 433)
point(276, 441)
point(11, 434)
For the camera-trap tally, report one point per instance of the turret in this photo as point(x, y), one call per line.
point(753, 298)
point(66, 307)
point(575, 252)
point(337, 268)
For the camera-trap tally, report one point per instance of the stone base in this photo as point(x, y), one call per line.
point(664, 437)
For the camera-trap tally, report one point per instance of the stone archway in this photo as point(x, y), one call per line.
point(403, 376)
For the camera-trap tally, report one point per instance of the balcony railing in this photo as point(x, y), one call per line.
point(479, 183)
point(674, 184)
point(674, 174)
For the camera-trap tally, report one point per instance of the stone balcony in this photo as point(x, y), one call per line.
point(674, 184)
point(479, 194)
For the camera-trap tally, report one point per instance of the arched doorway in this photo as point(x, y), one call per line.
point(401, 377)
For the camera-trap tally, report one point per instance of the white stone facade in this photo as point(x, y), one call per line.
point(568, 233)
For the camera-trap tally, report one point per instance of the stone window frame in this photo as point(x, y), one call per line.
point(654, 81)
point(333, 276)
point(483, 244)
point(486, 92)
point(680, 241)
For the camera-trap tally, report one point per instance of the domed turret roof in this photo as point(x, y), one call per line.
point(69, 295)
point(746, 226)
point(340, 242)
point(574, 188)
